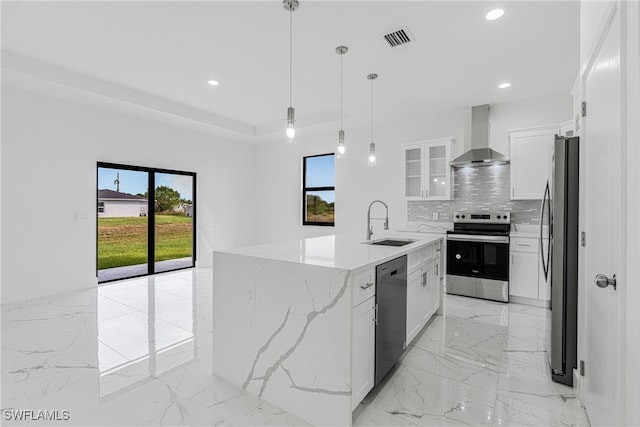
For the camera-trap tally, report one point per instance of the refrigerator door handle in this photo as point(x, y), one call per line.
point(546, 198)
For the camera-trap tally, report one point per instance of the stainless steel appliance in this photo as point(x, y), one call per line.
point(480, 153)
point(478, 255)
point(391, 317)
point(559, 221)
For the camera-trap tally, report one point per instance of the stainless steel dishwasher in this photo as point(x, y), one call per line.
point(391, 326)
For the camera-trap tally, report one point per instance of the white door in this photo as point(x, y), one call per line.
point(603, 309)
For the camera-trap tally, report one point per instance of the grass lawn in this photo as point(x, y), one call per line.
point(123, 241)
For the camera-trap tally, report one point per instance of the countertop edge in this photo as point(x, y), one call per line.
point(421, 241)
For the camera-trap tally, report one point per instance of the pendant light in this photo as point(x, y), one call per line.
point(372, 146)
point(342, 150)
point(291, 6)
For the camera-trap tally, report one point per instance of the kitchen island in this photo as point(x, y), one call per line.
point(293, 322)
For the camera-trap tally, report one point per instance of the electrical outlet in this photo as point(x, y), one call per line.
point(434, 216)
point(251, 294)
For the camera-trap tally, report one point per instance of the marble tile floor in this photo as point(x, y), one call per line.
point(483, 364)
point(138, 352)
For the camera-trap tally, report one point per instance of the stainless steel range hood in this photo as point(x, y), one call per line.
point(480, 153)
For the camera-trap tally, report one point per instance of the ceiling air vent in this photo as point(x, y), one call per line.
point(398, 37)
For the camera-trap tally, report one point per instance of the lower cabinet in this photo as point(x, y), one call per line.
point(363, 350)
point(526, 278)
point(414, 294)
point(423, 290)
point(423, 300)
point(523, 275)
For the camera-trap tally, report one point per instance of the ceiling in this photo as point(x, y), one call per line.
point(168, 50)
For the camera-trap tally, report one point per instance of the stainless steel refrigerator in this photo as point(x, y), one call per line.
point(559, 252)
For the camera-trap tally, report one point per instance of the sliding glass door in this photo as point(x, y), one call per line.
point(145, 221)
point(173, 221)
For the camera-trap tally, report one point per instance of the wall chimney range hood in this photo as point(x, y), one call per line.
point(480, 153)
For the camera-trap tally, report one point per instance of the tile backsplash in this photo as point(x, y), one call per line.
point(481, 188)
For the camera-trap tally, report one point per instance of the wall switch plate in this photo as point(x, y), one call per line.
point(251, 294)
point(434, 216)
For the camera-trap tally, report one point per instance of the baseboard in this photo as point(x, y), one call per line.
point(530, 301)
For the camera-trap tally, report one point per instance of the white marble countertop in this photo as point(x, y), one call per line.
point(343, 251)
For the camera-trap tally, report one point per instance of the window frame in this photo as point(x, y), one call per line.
point(306, 189)
point(151, 237)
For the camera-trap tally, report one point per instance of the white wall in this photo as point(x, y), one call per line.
point(524, 114)
point(278, 166)
point(49, 152)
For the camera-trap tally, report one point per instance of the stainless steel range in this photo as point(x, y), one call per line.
point(478, 255)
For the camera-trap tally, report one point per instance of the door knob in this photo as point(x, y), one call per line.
point(602, 281)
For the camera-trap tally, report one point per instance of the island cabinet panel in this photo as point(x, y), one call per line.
point(297, 327)
point(282, 331)
point(363, 350)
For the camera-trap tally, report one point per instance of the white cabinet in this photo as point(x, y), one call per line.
point(523, 275)
point(526, 277)
point(427, 174)
point(530, 154)
point(567, 128)
point(364, 286)
point(414, 292)
point(363, 350)
point(428, 295)
point(423, 289)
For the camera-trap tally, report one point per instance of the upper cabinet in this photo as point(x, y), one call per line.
point(530, 153)
point(426, 169)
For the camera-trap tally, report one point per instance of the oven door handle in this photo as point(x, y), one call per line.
point(475, 238)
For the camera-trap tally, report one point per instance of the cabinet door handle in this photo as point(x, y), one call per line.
point(366, 286)
point(513, 191)
point(526, 246)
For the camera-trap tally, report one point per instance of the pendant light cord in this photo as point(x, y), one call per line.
point(290, 55)
point(341, 114)
point(372, 110)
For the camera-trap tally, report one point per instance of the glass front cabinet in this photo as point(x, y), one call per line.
point(427, 174)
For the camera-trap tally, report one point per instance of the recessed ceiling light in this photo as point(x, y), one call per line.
point(494, 14)
point(213, 82)
point(504, 85)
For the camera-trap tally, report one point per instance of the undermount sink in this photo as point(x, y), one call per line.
point(391, 242)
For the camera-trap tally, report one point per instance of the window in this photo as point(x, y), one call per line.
point(318, 190)
point(144, 226)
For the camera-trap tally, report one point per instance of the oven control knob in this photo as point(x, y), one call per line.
point(458, 256)
point(462, 216)
point(457, 216)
